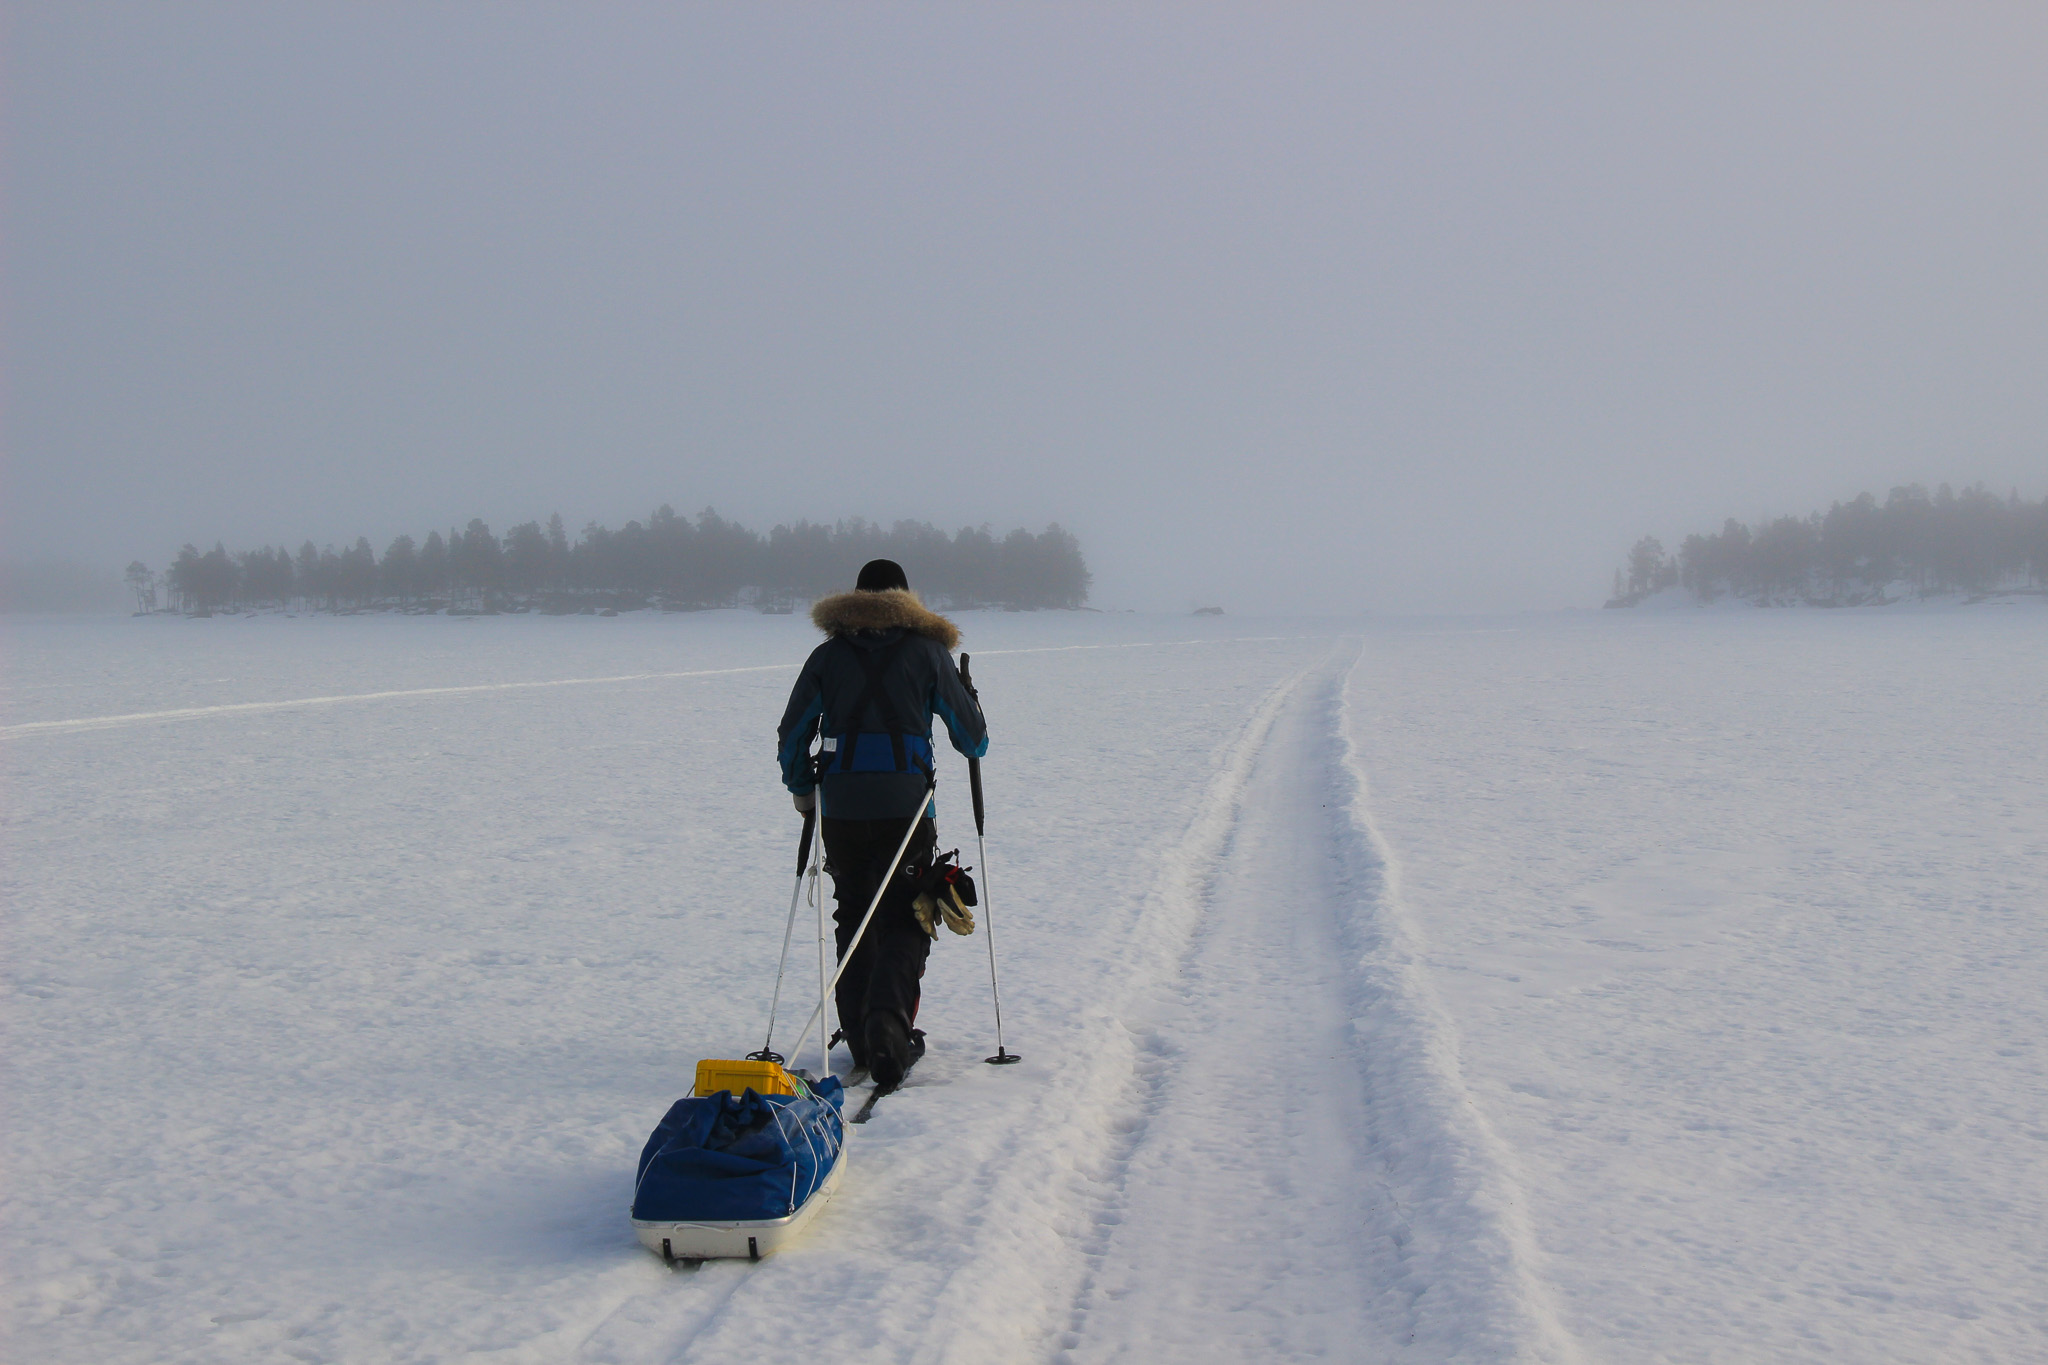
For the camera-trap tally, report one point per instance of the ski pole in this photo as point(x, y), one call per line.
point(910, 832)
point(818, 904)
point(1003, 1055)
point(803, 858)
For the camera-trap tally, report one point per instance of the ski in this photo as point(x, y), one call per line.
point(874, 1096)
point(868, 1105)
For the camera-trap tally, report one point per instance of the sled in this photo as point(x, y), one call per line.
point(745, 1162)
point(742, 1165)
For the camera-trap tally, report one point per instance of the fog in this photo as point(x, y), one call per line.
point(1291, 308)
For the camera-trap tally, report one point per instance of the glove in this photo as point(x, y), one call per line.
point(956, 914)
point(805, 802)
point(933, 908)
point(944, 891)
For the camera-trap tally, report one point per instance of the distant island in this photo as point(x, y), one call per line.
point(1856, 553)
point(668, 562)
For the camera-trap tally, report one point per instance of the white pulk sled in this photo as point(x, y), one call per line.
point(746, 1160)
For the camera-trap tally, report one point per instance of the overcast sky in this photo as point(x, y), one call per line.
point(1394, 307)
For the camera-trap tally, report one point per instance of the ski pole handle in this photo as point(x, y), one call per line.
point(803, 850)
point(973, 764)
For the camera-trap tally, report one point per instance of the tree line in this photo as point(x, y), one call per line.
point(1856, 552)
point(667, 561)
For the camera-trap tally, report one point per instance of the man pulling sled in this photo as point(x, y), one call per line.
point(869, 693)
point(739, 1167)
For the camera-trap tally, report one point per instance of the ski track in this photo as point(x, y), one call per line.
point(88, 723)
point(1079, 1161)
point(1460, 1218)
point(1283, 1058)
point(84, 723)
point(1201, 1144)
point(644, 1326)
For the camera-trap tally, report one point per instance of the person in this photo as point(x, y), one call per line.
point(871, 690)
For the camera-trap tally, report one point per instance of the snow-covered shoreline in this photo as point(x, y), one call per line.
point(1884, 597)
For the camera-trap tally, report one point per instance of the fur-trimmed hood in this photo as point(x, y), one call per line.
point(846, 612)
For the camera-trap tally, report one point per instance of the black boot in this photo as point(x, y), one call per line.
point(889, 1053)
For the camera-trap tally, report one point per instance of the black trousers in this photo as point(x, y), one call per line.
point(887, 967)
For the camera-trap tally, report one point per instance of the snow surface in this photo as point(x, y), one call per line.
point(1600, 986)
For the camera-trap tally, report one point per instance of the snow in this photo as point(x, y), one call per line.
point(1582, 986)
point(1740, 920)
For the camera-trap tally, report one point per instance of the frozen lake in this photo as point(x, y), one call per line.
point(1596, 986)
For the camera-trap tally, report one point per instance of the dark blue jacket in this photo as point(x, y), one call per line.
point(871, 690)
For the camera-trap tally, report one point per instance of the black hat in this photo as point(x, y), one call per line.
point(880, 575)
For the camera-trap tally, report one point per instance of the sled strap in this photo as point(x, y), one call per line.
point(874, 700)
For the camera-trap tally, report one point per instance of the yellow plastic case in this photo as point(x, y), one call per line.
point(763, 1078)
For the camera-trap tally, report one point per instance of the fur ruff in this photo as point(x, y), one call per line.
point(847, 612)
